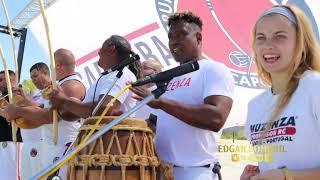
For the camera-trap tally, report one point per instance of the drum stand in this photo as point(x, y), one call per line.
point(161, 88)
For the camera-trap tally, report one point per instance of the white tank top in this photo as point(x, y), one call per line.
point(68, 130)
point(33, 135)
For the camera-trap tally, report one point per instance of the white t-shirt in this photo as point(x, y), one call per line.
point(183, 144)
point(297, 128)
point(33, 135)
point(104, 83)
point(67, 130)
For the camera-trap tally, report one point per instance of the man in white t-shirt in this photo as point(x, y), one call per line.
point(42, 117)
point(30, 150)
point(194, 107)
point(114, 50)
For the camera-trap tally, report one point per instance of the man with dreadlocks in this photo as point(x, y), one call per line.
point(194, 107)
point(114, 50)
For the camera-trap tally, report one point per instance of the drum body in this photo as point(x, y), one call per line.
point(126, 152)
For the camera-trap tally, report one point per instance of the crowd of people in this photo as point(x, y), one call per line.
point(194, 107)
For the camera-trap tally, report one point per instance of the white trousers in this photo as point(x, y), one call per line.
point(51, 153)
point(36, 156)
point(9, 160)
point(194, 173)
point(30, 159)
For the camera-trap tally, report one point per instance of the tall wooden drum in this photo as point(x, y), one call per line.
point(126, 152)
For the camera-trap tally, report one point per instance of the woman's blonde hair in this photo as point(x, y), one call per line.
point(154, 64)
point(306, 57)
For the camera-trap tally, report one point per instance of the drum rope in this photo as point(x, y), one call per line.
point(81, 145)
point(122, 160)
point(86, 160)
point(143, 158)
point(167, 170)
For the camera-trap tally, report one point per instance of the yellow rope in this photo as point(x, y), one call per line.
point(53, 70)
point(167, 170)
point(81, 145)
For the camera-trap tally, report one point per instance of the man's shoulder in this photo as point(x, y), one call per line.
point(73, 87)
point(213, 70)
point(71, 83)
point(72, 80)
point(213, 65)
point(129, 74)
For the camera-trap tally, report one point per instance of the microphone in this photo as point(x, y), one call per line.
point(133, 57)
point(169, 74)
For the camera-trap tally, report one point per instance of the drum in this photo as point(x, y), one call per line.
point(126, 152)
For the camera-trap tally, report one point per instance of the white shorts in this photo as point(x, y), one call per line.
point(51, 153)
point(194, 173)
point(38, 155)
point(30, 159)
point(9, 160)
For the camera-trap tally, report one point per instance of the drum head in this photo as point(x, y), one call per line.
point(135, 122)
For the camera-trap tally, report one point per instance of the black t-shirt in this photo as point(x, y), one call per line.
point(5, 129)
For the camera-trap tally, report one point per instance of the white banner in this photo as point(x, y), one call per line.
point(83, 25)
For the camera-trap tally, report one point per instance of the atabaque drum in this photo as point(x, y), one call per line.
point(126, 152)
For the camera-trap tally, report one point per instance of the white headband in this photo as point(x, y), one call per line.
point(281, 10)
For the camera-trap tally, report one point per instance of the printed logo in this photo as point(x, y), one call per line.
point(282, 129)
point(4, 145)
point(33, 152)
point(55, 159)
point(179, 83)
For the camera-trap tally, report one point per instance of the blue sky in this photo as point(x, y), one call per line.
point(33, 53)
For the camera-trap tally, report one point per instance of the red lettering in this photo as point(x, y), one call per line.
point(169, 85)
point(173, 84)
point(188, 82)
point(178, 84)
point(182, 82)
